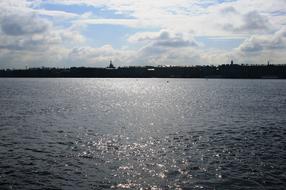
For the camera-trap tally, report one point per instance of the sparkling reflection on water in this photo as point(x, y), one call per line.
point(142, 134)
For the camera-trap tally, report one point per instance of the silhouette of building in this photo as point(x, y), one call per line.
point(231, 62)
point(111, 66)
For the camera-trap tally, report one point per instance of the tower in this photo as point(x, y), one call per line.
point(111, 66)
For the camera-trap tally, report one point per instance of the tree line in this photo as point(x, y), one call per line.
point(206, 71)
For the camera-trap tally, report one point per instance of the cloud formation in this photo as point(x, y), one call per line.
point(258, 43)
point(251, 22)
point(17, 25)
point(178, 32)
point(164, 39)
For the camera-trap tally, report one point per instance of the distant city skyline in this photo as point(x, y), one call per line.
point(68, 33)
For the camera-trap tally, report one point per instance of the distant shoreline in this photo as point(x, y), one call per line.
point(229, 71)
point(136, 78)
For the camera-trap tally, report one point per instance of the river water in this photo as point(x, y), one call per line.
point(142, 134)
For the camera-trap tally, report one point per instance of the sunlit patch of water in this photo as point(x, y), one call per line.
point(175, 161)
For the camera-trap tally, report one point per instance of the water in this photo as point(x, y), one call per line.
point(142, 134)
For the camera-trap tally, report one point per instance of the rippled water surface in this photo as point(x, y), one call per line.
point(142, 134)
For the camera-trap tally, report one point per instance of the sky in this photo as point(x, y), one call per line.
point(90, 33)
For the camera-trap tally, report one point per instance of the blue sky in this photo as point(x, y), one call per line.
point(89, 33)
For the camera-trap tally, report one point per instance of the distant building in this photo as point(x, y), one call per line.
point(111, 66)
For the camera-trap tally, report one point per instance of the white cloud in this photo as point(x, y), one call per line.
point(259, 43)
point(27, 38)
point(164, 38)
